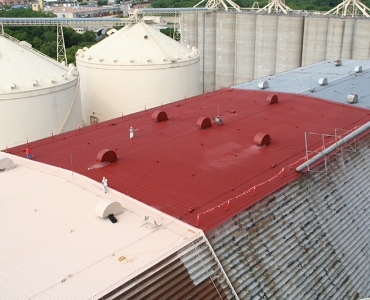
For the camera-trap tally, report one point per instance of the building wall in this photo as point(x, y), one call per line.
point(237, 47)
point(310, 240)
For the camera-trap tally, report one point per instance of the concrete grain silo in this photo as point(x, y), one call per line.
point(39, 97)
point(135, 68)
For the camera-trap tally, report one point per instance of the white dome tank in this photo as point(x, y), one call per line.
point(135, 68)
point(39, 97)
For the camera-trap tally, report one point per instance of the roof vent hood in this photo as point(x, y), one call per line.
point(6, 164)
point(263, 85)
point(323, 81)
point(352, 98)
point(358, 69)
point(106, 207)
point(337, 62)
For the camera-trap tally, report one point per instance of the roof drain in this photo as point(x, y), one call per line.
point(333, 147)
point(220, 266)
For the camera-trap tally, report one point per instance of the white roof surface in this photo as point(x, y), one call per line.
point(53, 246)
point(138, 44)
point(27, 69)
point(342, 81)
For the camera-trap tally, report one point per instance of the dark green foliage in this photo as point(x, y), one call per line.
point(44, 38)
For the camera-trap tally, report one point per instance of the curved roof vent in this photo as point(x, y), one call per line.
point(262, 139)
point(12, 86)
point(352, 98)
point(323, 81)
point(263, 85)
point(159, 116)
point(337, 62)
point(106, 155)
point(6, 163)
point(272, 98)
point(106, 207)
point(25, 44)
point(358, 69)
point(204, 122)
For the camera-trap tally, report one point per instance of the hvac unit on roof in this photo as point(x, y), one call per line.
point(263, 85)
point(352, 98)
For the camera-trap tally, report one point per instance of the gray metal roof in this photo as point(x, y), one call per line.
point(342, 81)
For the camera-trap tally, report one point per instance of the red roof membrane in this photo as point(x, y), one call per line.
point(202, 176)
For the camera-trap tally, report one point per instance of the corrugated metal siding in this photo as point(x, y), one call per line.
point(191, 273)
point(308, 241)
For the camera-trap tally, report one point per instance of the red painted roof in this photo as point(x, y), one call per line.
point(174, 165)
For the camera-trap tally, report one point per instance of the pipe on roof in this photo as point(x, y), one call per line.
point(333, 147)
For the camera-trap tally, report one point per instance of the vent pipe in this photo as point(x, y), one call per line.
point(333, 147)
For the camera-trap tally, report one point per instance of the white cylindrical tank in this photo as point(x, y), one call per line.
point(245, 37)
point(289, 43)
point(314, 40)
point(39, 97)
point(266, 42)
point(334, 40)
point(207, 49)
point(137, 67)
point(189, 29)
point(361, 40)
point(349, 28)
point(225, 46)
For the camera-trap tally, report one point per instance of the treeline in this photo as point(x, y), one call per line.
point(309, 5)
point(44, 38)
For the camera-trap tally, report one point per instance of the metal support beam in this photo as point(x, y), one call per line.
point(333, 147)
point(176, 28)
point(215, 4)
point(275, 6)
point(350, 8)
point(61, 48)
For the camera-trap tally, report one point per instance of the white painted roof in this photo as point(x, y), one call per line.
point(27, 69)
point(138, 44)
point(342, 81)
point(54, 246)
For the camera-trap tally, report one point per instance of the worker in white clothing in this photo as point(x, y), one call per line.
point(105, 184)
point(132, 130)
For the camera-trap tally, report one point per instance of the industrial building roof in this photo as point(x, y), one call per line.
point(203, 176)
point(28, 69)
point(137, 45)
point(342, 79)
point(54, 245)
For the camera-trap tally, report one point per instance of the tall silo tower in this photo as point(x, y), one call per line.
point(135, 68)
point(39, 97)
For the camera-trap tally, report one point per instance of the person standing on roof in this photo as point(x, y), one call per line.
point(105, 184)
point(28, 153)
point(132, 130)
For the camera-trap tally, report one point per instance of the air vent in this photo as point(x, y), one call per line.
point(204, 122)
point(115, 60)
point(337, 63)
point(25, 44)
point(263, 85)
point(12, 86)
point(272, 98)
point(111, 31)
point(262, 139)
point(101, 59)
point(159, 116)
point(352, 98)
point(106, 155)
point(148, 60)
point(35, 82)
point(106, 207)
point(132, 61)
point(323, 81)
point(52, 80)
point(358, 69)
point(6, 163)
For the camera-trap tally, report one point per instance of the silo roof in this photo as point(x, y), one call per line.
point(138, 45)
point(186, 171)
point(23, 68)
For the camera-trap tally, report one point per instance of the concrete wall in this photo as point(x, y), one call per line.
point(237, 47)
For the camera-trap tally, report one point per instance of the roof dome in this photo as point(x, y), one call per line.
point(138, 45)
point(27, 69)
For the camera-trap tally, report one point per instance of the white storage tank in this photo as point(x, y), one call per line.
point(39, 97)
point(135, 68)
